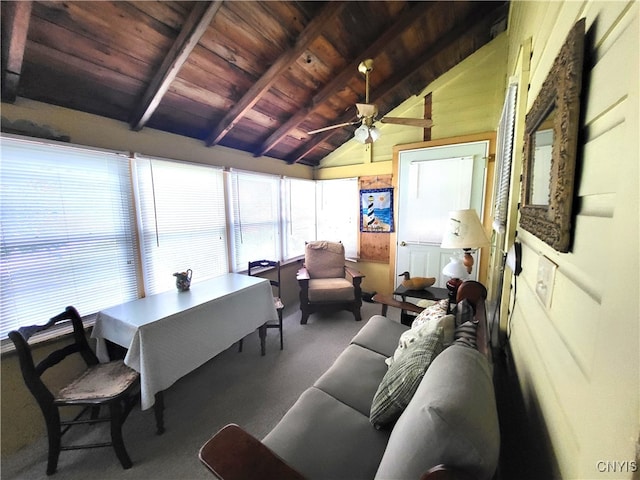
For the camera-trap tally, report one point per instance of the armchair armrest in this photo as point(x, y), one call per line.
point(302, 274)
point(234, 454)
point(353, 273)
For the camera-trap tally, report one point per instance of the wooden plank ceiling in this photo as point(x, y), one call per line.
point(254, 76)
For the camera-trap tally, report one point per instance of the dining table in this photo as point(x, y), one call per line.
point(168, 335)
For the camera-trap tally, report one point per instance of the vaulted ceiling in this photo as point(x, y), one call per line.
point(253, 76)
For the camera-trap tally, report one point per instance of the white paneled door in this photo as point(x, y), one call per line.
point(432, 182)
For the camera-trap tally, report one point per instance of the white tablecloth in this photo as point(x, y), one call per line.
point(172, 333)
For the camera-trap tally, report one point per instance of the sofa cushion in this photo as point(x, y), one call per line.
point(402, 379)
point(451, 419)
point(433, 312)
point(380, 334)
point(323, 438)
point(330, 290)
point(465, 335)
point(354, 377)
point(416, 334)
point(464, 312)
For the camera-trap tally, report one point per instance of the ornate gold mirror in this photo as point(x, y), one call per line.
point(550, 147)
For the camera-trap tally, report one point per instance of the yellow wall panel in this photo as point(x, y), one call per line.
point(578, 361)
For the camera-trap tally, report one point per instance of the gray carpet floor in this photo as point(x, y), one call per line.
point(243, 388)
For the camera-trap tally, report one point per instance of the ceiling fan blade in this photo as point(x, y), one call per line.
point(413, 122)
point(331, 127)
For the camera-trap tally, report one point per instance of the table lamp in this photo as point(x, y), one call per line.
point(464, 231)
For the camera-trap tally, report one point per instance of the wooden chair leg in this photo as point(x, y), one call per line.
point(95, 413)
point(262, 333)
point(280, 321)
point(55, 439)
point(304, 309)
point(158, 411)
point(116, 435)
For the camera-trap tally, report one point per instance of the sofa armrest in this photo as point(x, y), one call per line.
point(234, 454)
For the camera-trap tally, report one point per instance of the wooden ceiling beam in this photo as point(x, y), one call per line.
point(475, 22)
point(14, 40)
point(194, 27)
point(266, 81)
point(406, 19)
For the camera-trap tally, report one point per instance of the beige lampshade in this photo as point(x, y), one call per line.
point(464, 230)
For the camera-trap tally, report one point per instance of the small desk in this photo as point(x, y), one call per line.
point(172, 333)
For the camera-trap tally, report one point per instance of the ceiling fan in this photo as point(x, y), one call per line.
point(367, 132)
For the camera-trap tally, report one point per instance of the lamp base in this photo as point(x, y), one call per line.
point(468, 260)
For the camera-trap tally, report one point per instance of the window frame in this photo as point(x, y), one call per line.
point(282, 224)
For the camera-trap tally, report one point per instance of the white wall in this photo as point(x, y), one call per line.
point(578, 360)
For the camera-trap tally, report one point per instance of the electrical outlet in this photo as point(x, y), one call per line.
point(545, 280)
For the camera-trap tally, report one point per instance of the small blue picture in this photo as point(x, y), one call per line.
point(376, 210)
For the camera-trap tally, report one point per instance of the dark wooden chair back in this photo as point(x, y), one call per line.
point(259, 265)
point(118, 387)
point(31, 372)
point(255, 267)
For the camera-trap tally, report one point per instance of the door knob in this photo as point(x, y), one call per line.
point(403, 244)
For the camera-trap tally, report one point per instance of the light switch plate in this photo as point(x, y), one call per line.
point(545, 280)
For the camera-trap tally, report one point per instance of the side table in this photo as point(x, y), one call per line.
point(431, 293)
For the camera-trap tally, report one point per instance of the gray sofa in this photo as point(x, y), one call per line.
point(450, 422)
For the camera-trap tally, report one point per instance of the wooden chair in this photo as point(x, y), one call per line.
point(110, 384)
point(259, 265)
point(325, 280)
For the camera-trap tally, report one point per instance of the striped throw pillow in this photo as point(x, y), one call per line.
point(465, 335)
point(402, 379)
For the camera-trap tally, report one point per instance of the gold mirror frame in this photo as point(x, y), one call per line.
point(560, 96)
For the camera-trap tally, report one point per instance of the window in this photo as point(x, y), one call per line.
point(67, 231)
point(338, 213)
point(182, 221)
point(299, 216)
point(504, 156)
point(255, 218)
point(94, 228)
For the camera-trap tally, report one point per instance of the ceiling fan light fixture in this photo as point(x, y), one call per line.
point(365, 134)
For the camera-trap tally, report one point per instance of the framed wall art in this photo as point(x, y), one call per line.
point(376, 210)
point(551, 146)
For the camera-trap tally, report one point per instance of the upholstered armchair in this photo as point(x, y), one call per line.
point(325, 281)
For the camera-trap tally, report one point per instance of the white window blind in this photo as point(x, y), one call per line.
point(181, 220)
point(504, 155)
point(67, 231)
point(255, 218)
point(338, 213)
point(299, 216)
